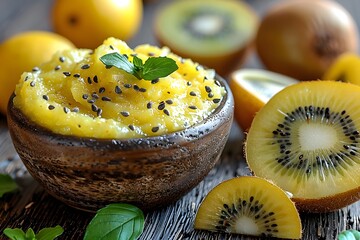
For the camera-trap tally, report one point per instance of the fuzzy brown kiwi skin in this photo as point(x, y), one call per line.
point(314, 44)
point(327, 204)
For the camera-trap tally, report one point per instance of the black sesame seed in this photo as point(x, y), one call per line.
point(169, 101)
point(95, 79)
point(207, 89)
point(161, 105)
point(89, 80)
point(155, 129)
point(62, 59)
point(136, 87)
point(127, 85)
point(32, 84)
point(76, 75)
point(142, 90)
point(111, 47)
point(217, 83)
point(188, 83)
point(36, 69)
point(108, 66)
point(58, 67)
point(193, 107)
point(85, 96)
point(154, 81)
point(131, 127)
point(149, 105)
point(101, 90)
point(67, 74)
point(66, 110)
point(75, 109)
point(106, 99)
point(51, 107)
point(86, 66)
point(216, 100)
point(125, 114)
point(118, 90)
point(45, 97)
point(26, 78)
point(192, 93)
point(210, 95)
point(166, 112)
point(91, 101)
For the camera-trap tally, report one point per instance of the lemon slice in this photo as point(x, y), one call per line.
point(251, 206)
point(252, 88)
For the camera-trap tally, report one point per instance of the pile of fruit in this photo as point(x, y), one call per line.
point(301, 115)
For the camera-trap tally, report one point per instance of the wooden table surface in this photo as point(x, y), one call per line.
point(32, 207)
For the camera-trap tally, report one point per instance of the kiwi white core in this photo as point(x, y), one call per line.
point(207, 25)
point(315, 136)
point(246, 225)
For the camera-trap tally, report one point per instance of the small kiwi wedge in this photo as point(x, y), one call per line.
point(306, 140)
point(251, 206)
point(252, 88)
point(215, 33)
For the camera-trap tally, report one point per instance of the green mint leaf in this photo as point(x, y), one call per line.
point(49, 233)
point(116, 221)
point(14, 234)
point(30, 235)
point(158, 67)
point(119, 61)
point(7, 184)
point(349, 235)
point(138, 63)
point(154, 67)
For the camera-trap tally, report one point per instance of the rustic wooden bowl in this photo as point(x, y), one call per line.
point(88, 173)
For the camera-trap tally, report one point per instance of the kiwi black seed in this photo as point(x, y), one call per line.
point(251, 206)
point(306, 140)
point(220, 32)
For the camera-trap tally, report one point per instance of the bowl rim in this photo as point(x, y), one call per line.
point(225, 110)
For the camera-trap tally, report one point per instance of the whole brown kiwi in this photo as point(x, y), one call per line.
point(301, 38)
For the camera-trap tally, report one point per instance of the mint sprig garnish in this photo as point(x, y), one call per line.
point(7, 184)
point(153, 68)
point(44, 234)
point(116, 221)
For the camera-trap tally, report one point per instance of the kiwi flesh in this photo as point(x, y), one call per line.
point(306, 140)
point(251, 206)
point(216, 34)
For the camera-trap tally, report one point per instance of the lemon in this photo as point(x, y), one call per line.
point(88, 23)
point(23, 52)
point(252, 88)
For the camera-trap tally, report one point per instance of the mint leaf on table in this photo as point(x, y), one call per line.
point(154, 67)
point(7, 184)
point(116, 221)
point(44, 234)
point(49, 233)
point(15, 234)
point(350, 234)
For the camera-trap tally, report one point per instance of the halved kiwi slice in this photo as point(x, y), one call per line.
point(306, 140)
point(252, 88)
point(251, 206)
point(216, 34)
